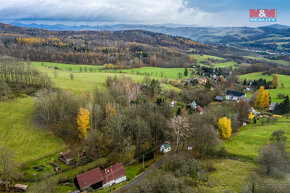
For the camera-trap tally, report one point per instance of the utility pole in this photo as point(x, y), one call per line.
point(143, 161)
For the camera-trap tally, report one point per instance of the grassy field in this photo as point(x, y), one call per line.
point(87, 81)
point(250, 138)
point(204, 57)
point(273, 92)
point(73, 67)
point(226, 64)
point(282, 62)
point(229, 175)
point(18, 132)
point(152, 71)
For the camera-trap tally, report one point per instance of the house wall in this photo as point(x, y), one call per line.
point(116, 181)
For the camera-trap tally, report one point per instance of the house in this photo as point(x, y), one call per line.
point(192, 105)
point(173, 103)
point(165, 148)
point(272, 106)
point(67, 157)
point(114, 175)
point(202, 80)
point(199, 110)
point(92, 179)
point(219, 98)
point(95, 179)
point(248, 89)
point(235, 96)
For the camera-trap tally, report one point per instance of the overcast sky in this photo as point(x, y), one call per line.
point(190, 12)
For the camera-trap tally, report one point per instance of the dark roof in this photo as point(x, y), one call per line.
point(113, 172)
point(89, 178)
point(235, 93)
point(219, 98)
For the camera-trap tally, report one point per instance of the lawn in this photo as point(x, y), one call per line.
point(204, 57)
point(250, 138)
point(18, 132)
point(273, 92)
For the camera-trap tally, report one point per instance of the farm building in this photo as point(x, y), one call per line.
point(95, 179)
point(235, 96)
point(165, 148)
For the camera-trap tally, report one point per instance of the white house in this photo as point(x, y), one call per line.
point(165, 148)
point(235, 96)
point(114, 175)
point(173, 103)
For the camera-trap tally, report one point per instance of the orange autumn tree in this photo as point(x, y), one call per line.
point(224, 128)
point(83, 121)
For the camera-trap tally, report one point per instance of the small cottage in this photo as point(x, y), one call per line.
point(165, 148)
point(67, 157)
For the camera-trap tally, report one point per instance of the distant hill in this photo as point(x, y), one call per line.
point(274, 38)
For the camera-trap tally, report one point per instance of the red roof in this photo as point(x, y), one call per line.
point(113, 172)
point(89, 178)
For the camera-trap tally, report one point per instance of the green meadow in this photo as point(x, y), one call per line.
point(273, 92)
point(252, 137)
point(282, 62)
point(18, 132)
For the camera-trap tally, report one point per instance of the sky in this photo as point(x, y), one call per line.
point(183, 12)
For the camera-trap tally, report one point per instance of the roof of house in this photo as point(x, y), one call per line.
point(89, 178)
point(165, 145)
point(219, 98)
point(272, 106)
point(199, 109)
point(235, 93)
point(113, 172)
point(68, 155)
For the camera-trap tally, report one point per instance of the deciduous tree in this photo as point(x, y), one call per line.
point(224, 128)
point(83, 121)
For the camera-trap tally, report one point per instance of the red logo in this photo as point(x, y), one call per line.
point(263, 13)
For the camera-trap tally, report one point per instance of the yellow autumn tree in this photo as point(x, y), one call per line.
point(263, 99)
point(224, 128)
point(83, 121)
point(251, 115)
point(275, 81)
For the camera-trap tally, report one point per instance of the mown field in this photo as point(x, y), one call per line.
point(273, 92)
point(18, 132)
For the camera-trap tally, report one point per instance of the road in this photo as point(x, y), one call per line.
point(142, 176)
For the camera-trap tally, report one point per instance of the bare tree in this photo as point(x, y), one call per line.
point(179, 129)
point(8, 165)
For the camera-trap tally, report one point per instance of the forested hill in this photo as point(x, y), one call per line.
point(132, 48)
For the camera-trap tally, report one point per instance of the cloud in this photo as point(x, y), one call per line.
point(118, 11)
